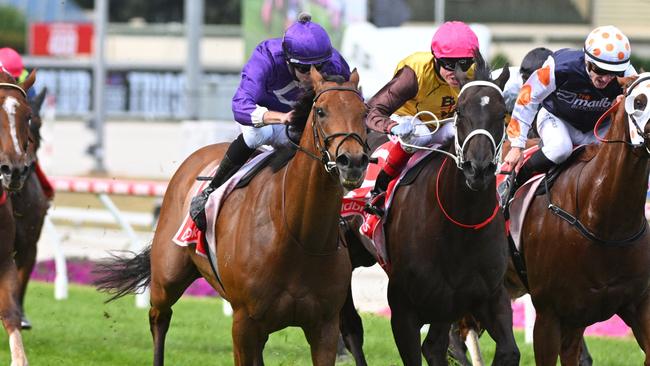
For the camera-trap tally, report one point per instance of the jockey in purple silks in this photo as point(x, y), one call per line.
point(272, 81)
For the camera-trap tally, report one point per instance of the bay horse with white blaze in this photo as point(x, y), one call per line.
point(278, 252)
point(15, 162)
point(586, 245)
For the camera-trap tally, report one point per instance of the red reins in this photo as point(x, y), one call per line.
point(467, 226)
point(602, 118)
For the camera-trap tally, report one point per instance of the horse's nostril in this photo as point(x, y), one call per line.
point(5, 169)
point(25, 169)
point(343, 160)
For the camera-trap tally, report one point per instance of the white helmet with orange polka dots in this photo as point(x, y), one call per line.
point(608, 48)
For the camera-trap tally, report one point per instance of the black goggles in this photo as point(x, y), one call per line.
point(304, 68)
point(450, 63)
point(598, 71)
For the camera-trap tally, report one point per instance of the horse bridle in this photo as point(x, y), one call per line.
point(460, 149)
point(459, 157)
point(14, 86)
point(318, 132)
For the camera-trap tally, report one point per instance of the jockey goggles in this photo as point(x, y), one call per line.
point(598, 71)
point(449, 64)
point(304, 68)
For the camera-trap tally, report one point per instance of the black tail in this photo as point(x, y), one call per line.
point(120, 276)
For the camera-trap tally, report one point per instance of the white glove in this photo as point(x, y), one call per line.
point(403, 130)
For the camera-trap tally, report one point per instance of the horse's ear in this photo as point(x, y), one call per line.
point(354, 78)
point(37, 102)
point(316, 77)
point(461, 76)
point(27, 83)
point(503, 78)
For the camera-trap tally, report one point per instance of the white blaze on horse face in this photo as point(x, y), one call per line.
point(485, 100)
point(9, 106)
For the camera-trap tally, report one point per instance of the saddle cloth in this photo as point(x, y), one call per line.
point(188, 233)
point(354, 201)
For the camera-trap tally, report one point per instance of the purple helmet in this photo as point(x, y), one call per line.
point(307, 43)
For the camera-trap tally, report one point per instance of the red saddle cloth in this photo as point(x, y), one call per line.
point(354, 201)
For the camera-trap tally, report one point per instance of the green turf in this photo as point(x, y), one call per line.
point(83, 331)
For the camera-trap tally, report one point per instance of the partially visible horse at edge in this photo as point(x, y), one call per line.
point(30, 205)
point(279, 256)
point(15, 161)
point(584, 272)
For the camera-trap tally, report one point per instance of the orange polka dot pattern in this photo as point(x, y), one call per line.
point(608, 44)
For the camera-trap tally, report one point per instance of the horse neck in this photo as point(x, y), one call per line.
point(460, 202)
point(614, 184)
point(312, 200)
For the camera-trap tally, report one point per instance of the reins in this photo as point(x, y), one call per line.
point(573, 219)
point(317, 129)
point(458, 223)
point(325, 158)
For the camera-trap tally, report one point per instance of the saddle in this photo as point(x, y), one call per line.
point(276, 161)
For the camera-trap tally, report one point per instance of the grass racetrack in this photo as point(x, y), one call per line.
point(82, 330)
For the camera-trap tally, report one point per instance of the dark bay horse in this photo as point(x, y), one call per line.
point(278, 253)
point(30, 206)
point(446, 238)
point(15, 160)
point(586, 272)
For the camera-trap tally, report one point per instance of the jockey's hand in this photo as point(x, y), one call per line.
point(513, 160)
point(402, 130)
point(275, 118)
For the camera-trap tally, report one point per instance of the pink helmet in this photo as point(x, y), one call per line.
point(454, 40)
point(11, 61)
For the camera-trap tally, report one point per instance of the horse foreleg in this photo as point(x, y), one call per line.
point(248, 340)
point(637, 317)
point(25, 260)
point(496, 317)
point(546, 338)
point(571, 345)
point(436, 343)
point(406, 327)
point(323, 338)
point(352, 330)
point(9, 311)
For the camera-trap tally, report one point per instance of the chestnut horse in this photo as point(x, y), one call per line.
point(15, 162)
point(30, 206)
point(278, 252)
point(595, 262)
point(446, 241)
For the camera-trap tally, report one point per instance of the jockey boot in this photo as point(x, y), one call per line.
point(538, 163)
point(375, 204)
point(236, 156)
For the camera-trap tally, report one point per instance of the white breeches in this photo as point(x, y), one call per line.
point(273, 135)
point(559, 137)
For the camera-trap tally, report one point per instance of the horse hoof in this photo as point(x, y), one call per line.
point(25, 323)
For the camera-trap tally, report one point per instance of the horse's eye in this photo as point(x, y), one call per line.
point(640, 102)
point(320, 112)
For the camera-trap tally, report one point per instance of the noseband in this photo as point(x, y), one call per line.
point(318, 132)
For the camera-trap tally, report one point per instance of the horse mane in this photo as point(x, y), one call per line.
point(302, 108)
